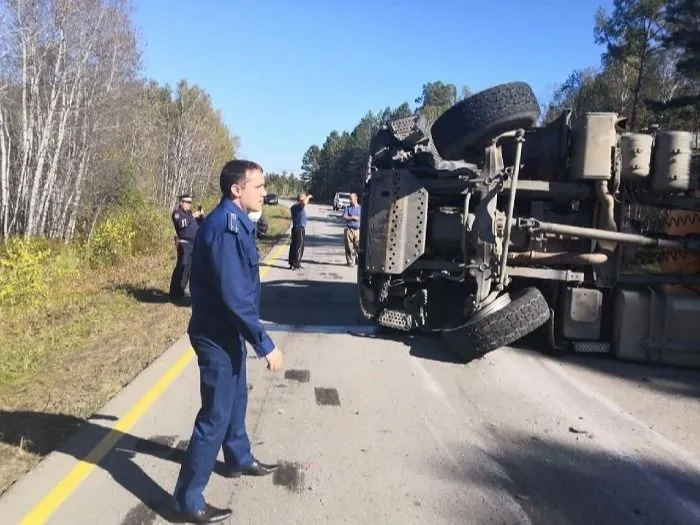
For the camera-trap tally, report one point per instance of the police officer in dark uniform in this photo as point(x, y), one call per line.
point(186, 224)
point(225, 290)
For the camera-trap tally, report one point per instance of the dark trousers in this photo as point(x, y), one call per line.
point(296, 247)
point(181, 272)
point(220, 423)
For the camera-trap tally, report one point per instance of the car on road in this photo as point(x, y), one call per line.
point(271, 198)
point(341, 200)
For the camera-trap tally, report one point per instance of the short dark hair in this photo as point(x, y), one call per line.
point(235, 172)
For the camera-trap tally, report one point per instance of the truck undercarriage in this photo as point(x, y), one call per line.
point(486, 228)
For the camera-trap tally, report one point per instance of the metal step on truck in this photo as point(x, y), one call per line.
point(486, 228)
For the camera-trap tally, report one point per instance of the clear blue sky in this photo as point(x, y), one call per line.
point(284, 74)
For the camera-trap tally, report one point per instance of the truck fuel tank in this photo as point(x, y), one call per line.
point(672, 162)
point(657, 325)
point(635, 155)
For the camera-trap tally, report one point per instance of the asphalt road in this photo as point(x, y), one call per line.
point(372, 429)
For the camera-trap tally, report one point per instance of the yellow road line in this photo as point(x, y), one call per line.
point(50, 503)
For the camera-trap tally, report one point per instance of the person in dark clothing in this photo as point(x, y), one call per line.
point(261, 227)
point(299, 220)
point(226, 297)
point(186, 224)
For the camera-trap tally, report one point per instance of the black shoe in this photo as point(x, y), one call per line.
point(208, 514)
point(254, 469)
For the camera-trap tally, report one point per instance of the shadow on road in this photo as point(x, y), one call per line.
point(421, 346)
point(36, 431)
point(660, 378)
point(562, 479)
point(306, 302)
point(332, 305)
point(665, 379)
point(324, 240)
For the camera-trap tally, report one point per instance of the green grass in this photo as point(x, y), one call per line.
point(278, 218)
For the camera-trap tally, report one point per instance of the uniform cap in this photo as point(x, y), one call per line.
point(185, 197)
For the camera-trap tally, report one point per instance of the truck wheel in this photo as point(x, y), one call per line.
point(498, 325)
point(365, 295)
point(478, 119)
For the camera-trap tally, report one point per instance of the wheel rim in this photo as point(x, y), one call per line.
point(501, 302)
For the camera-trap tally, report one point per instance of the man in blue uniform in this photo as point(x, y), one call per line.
point(186, 224)
point(299, 220)
point(225, 289)
point(351, 216)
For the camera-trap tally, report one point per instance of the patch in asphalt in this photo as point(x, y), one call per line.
point(327, 396)
point(289, 475)
point(148, 513)
point(302, 376)
point(141, 514)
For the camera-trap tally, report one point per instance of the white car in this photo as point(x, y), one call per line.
point(341, 200)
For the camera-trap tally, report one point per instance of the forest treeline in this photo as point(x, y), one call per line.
point(649, 72)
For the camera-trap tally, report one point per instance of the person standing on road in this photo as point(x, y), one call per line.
point(225, 289)
point(351, 216)
point(299, 220)
point(186, 224)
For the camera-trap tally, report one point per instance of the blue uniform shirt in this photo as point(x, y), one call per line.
point(186, 225)
point(298, 215)
point(353, 211)
point(225, 279)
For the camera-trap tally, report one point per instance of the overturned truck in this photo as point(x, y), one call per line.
point(486, 228)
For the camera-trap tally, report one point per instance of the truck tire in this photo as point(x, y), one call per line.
point(478, 119)
point(522, 314)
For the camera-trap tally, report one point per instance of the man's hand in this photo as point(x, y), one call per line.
point(274, 359)
point(197, 214)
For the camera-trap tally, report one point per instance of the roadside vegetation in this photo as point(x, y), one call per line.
point(92, 157)
point(77, 328)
